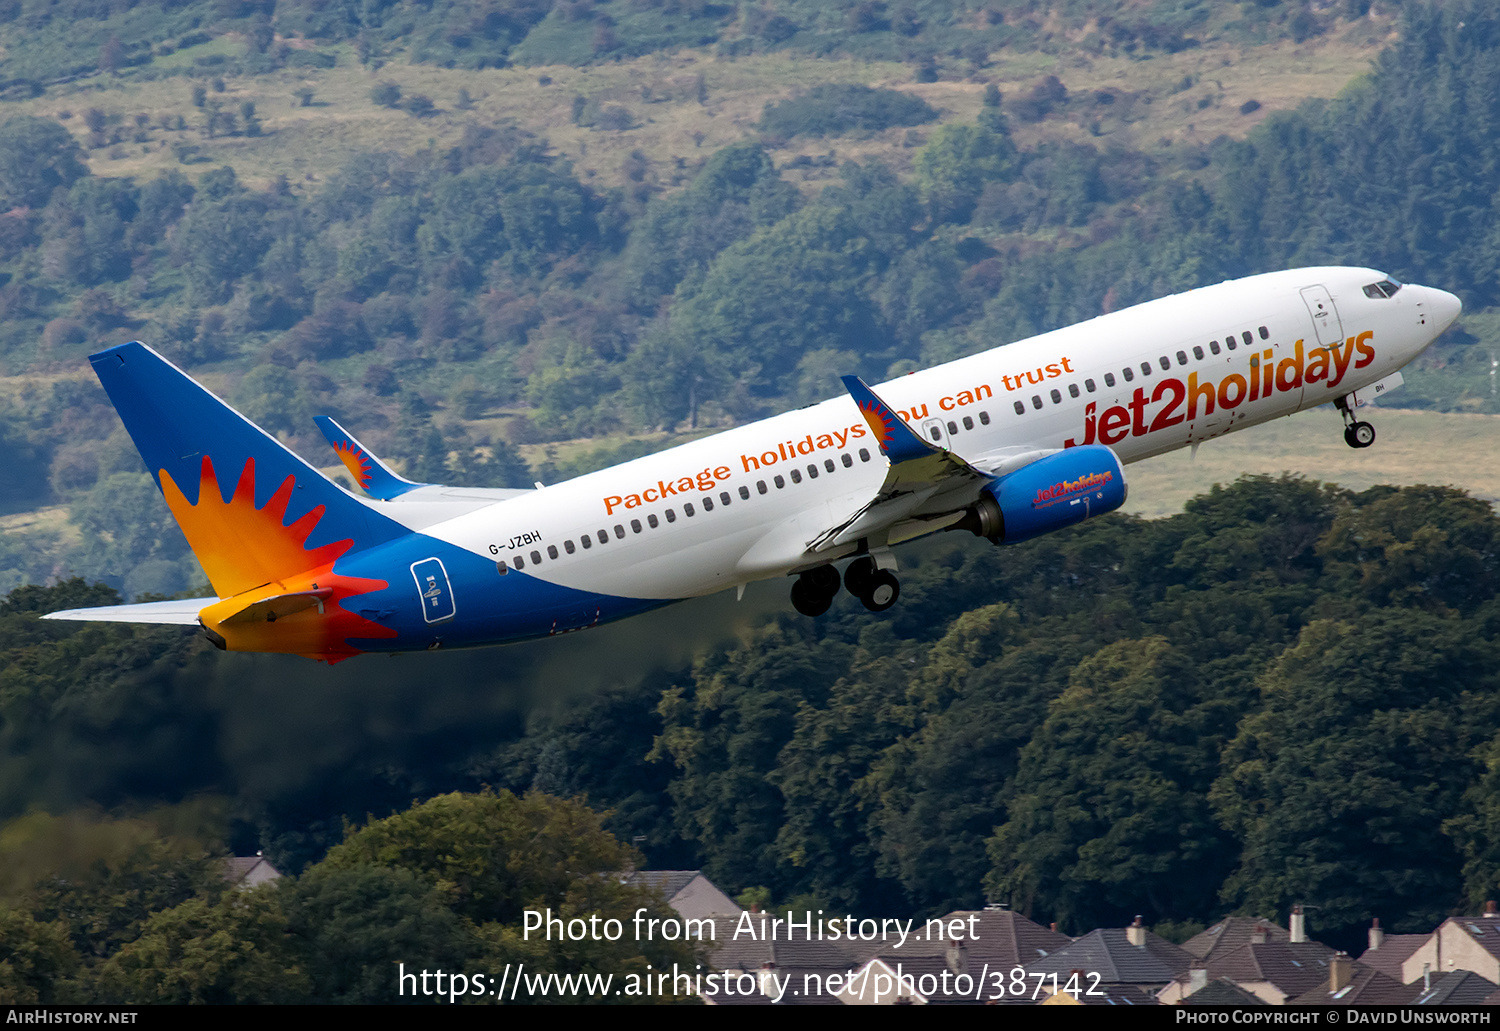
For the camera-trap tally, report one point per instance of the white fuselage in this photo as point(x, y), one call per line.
point(1143, 381)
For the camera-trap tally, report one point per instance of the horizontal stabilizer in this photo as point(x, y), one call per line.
point(183, 612)
point(269, 610)
point(375, 477)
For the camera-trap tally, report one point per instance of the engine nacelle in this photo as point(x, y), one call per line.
point(1049, 494)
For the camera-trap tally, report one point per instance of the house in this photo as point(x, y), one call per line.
point(688, 892)
point(1271, 971)
point(1350, 984)
point(1459, 943)
point(1115, 956)
point(1456, 988)
point(250, 871)
point(1388, 953)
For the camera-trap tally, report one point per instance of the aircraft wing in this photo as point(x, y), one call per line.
point(182, 612)
point(918, 473)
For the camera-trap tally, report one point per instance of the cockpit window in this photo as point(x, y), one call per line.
point(1387, 287)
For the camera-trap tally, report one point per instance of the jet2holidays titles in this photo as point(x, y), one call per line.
point(1178, 399)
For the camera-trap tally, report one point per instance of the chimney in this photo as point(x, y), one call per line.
point(1135, 934)
point(1197, 977)
point(1490, 910)
point(1377, 934)
point(1258, 936)
point(958, 958)
point(1340, 971)
point(1297, 925)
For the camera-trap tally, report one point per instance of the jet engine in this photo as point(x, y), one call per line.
point(1047, 495)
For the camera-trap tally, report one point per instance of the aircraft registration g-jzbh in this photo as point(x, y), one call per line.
point(1008, 444)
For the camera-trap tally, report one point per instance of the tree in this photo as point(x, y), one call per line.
point(1108, 812)
point(1339, 786)
point(232, 949)
point(36, 157)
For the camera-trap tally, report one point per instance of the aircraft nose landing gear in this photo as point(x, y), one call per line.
point(1356, 434)
point(813, 591)
point(877, 589)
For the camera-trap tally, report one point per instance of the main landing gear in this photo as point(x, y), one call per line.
point(877, 589)
point(1356, 434)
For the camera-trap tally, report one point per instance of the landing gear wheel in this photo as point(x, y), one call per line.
point(1359, 434)
point(822, 580)
point(859, 575)
point(882, 592)
point(807, 600)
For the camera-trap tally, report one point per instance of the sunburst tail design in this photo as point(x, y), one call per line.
point(278, 532)
point(355, 461)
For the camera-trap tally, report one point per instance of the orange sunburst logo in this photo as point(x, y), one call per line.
point(880, 422)
point(359, 466)
point(251, 554)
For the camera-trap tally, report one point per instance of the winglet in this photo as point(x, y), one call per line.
point(898, 442)
point(373, 475)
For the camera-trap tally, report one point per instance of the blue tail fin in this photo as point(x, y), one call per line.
point(252, 511)
point(373, 475)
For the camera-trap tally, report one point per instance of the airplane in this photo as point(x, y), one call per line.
point(1007, 444)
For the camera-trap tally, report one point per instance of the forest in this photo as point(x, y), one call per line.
point(1283, 694)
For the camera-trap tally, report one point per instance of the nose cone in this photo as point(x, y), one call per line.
point(1445, 307)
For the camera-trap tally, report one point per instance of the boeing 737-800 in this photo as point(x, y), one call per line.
point(1008, 444)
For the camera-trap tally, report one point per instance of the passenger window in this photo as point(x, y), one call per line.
point(796, 475)
point(864, 454)
point(1088, 385)
point(968, 423)
point(1036, 401)
point(760, 485)
point(1247, 338)
point(1072, 389)
point(984, 417)
point(952, 427)
point(935, 433)
point(745, 493)
point(1265, 334)
point(619, 531)
point(828, 464)
point(780, 483)
point(812, 471)
point(1129, 376)
point(1198, 353)
point(520, 562)
point(1213, 345)
point(671, 517)
point(568, 547)
point(1056, 396)
point(708, 504)
point(1020, 408)
point(724, 496)
point(651, 521)
point(588, 542)
point(1109, 379)
point(552, 551)
point(635, 526)
point(687, 510)
point(1181, 357)
point(1145, 368)
point(847, 459)
point(501, 567)
point(536, 558)
point(603, 536)
point(1166, 363)
point(1229, 342)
